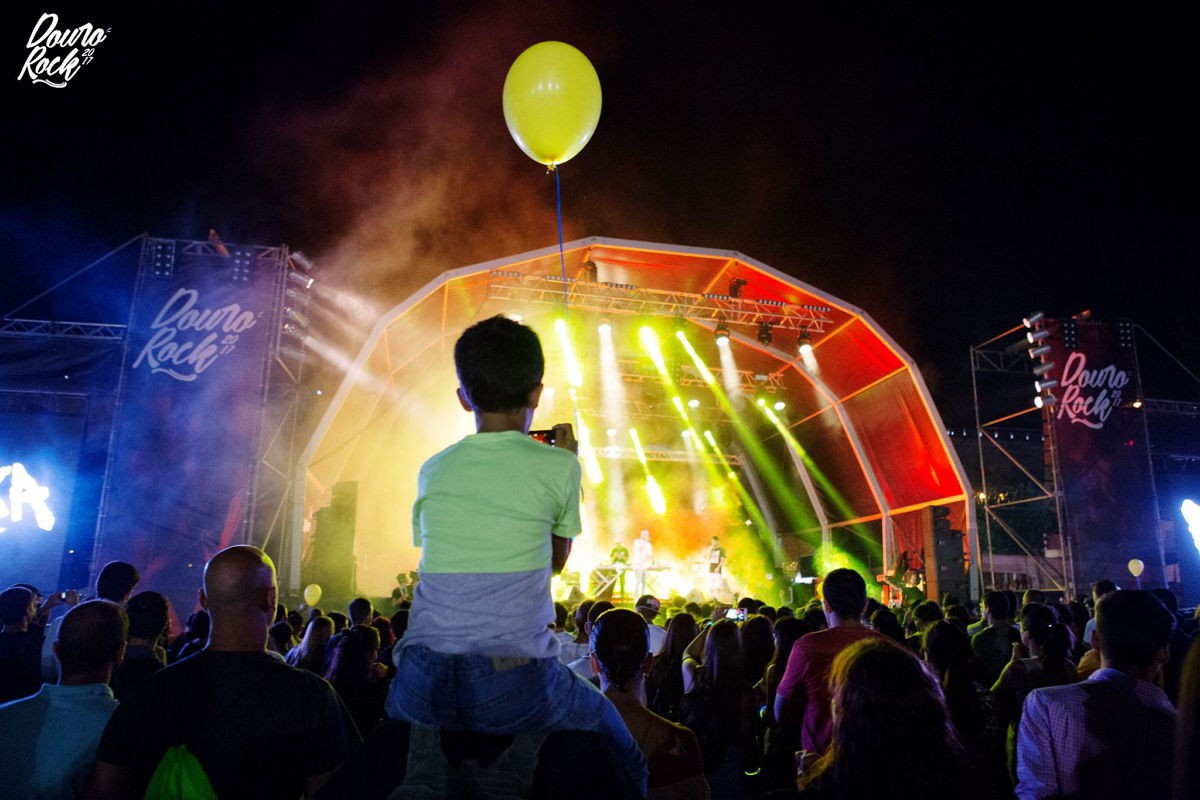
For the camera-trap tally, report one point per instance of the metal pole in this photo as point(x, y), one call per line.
point(987, 518)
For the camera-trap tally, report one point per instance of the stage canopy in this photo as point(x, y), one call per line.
point(799, 457)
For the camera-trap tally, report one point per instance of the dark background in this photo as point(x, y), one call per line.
point(947, 169)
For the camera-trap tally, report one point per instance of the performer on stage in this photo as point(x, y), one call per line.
point(716, 566)
point(620, 562)
point(643, 557)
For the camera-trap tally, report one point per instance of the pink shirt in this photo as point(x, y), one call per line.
point(806, 680)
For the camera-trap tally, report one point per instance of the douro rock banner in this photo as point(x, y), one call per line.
point(190, 410)
point(1103, 453)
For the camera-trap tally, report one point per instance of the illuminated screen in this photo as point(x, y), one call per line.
point(39, 454)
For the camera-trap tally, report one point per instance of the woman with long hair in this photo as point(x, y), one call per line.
point(621, 652)
point(758, 645)
point(310, 653)
point(884, 620)
point(718, 705)
point(889, 724)
point(948, 655)
point(1039, 660)
point(664, 687)
point(780, 743)
point(357, 676)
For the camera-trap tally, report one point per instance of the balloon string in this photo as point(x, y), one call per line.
point(562, 256)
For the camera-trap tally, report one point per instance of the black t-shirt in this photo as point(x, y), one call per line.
point(259, 727)
point(20, 663)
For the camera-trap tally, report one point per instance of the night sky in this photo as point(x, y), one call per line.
point(946, 169)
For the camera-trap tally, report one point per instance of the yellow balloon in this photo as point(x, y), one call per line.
point(551, 102)
point(312, 594)
point(1136, 567)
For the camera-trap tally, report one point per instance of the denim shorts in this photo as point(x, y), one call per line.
point(505, 696)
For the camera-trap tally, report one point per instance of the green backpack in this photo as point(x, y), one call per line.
point(179, 776)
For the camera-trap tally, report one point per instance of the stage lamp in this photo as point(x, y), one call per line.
point(1042, 386)
point(611, 432)
point(1033, 319)
point(295, 316)
point(294, 331)
point(1045, 400)
point(804, 344)
point(693, 403)
point(721, 333)
point(301, 261)
point(735, 287)
point(305, 282)
point(605, 325)
point(1137, 402)
point(1036, 336)
point(764, 334)
point(1039, 352)
point(779, 405)
point(1041, 369)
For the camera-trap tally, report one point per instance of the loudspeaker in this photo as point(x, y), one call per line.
point(330, 564)
point(951, 569)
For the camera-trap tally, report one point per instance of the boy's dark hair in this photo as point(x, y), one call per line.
point(340, 621)
point(116, 581)
point(499, 363)
point(1103, 587)
point(90, 634)
point(147, 615)
point(845, 591)
point(1133, 626)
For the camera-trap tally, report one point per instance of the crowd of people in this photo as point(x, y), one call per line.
point(1028, 697)
point(482, 688)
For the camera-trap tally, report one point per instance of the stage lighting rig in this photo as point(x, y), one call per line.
point(735, 286)
point(301, 261)
point(804, 343)
point(721, 333)
point(764, 334)
point(1036, 318)
point(1036, 336)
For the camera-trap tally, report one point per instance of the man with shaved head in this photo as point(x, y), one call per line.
point(237, 709)
point(50, 738)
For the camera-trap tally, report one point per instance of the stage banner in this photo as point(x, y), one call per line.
point(182, 466)
point(1103, 453)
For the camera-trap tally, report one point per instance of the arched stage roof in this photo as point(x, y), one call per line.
point(870, 454)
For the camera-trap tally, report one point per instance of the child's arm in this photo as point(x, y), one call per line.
point(560, 550)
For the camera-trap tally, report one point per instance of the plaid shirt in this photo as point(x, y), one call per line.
point(1110, 736)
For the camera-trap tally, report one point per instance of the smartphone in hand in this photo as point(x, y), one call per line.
point(546, 436)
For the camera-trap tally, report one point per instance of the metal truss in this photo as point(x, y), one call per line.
point(627, 299)
point(65, 330)
point(610, 453)
point(1012, 359)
